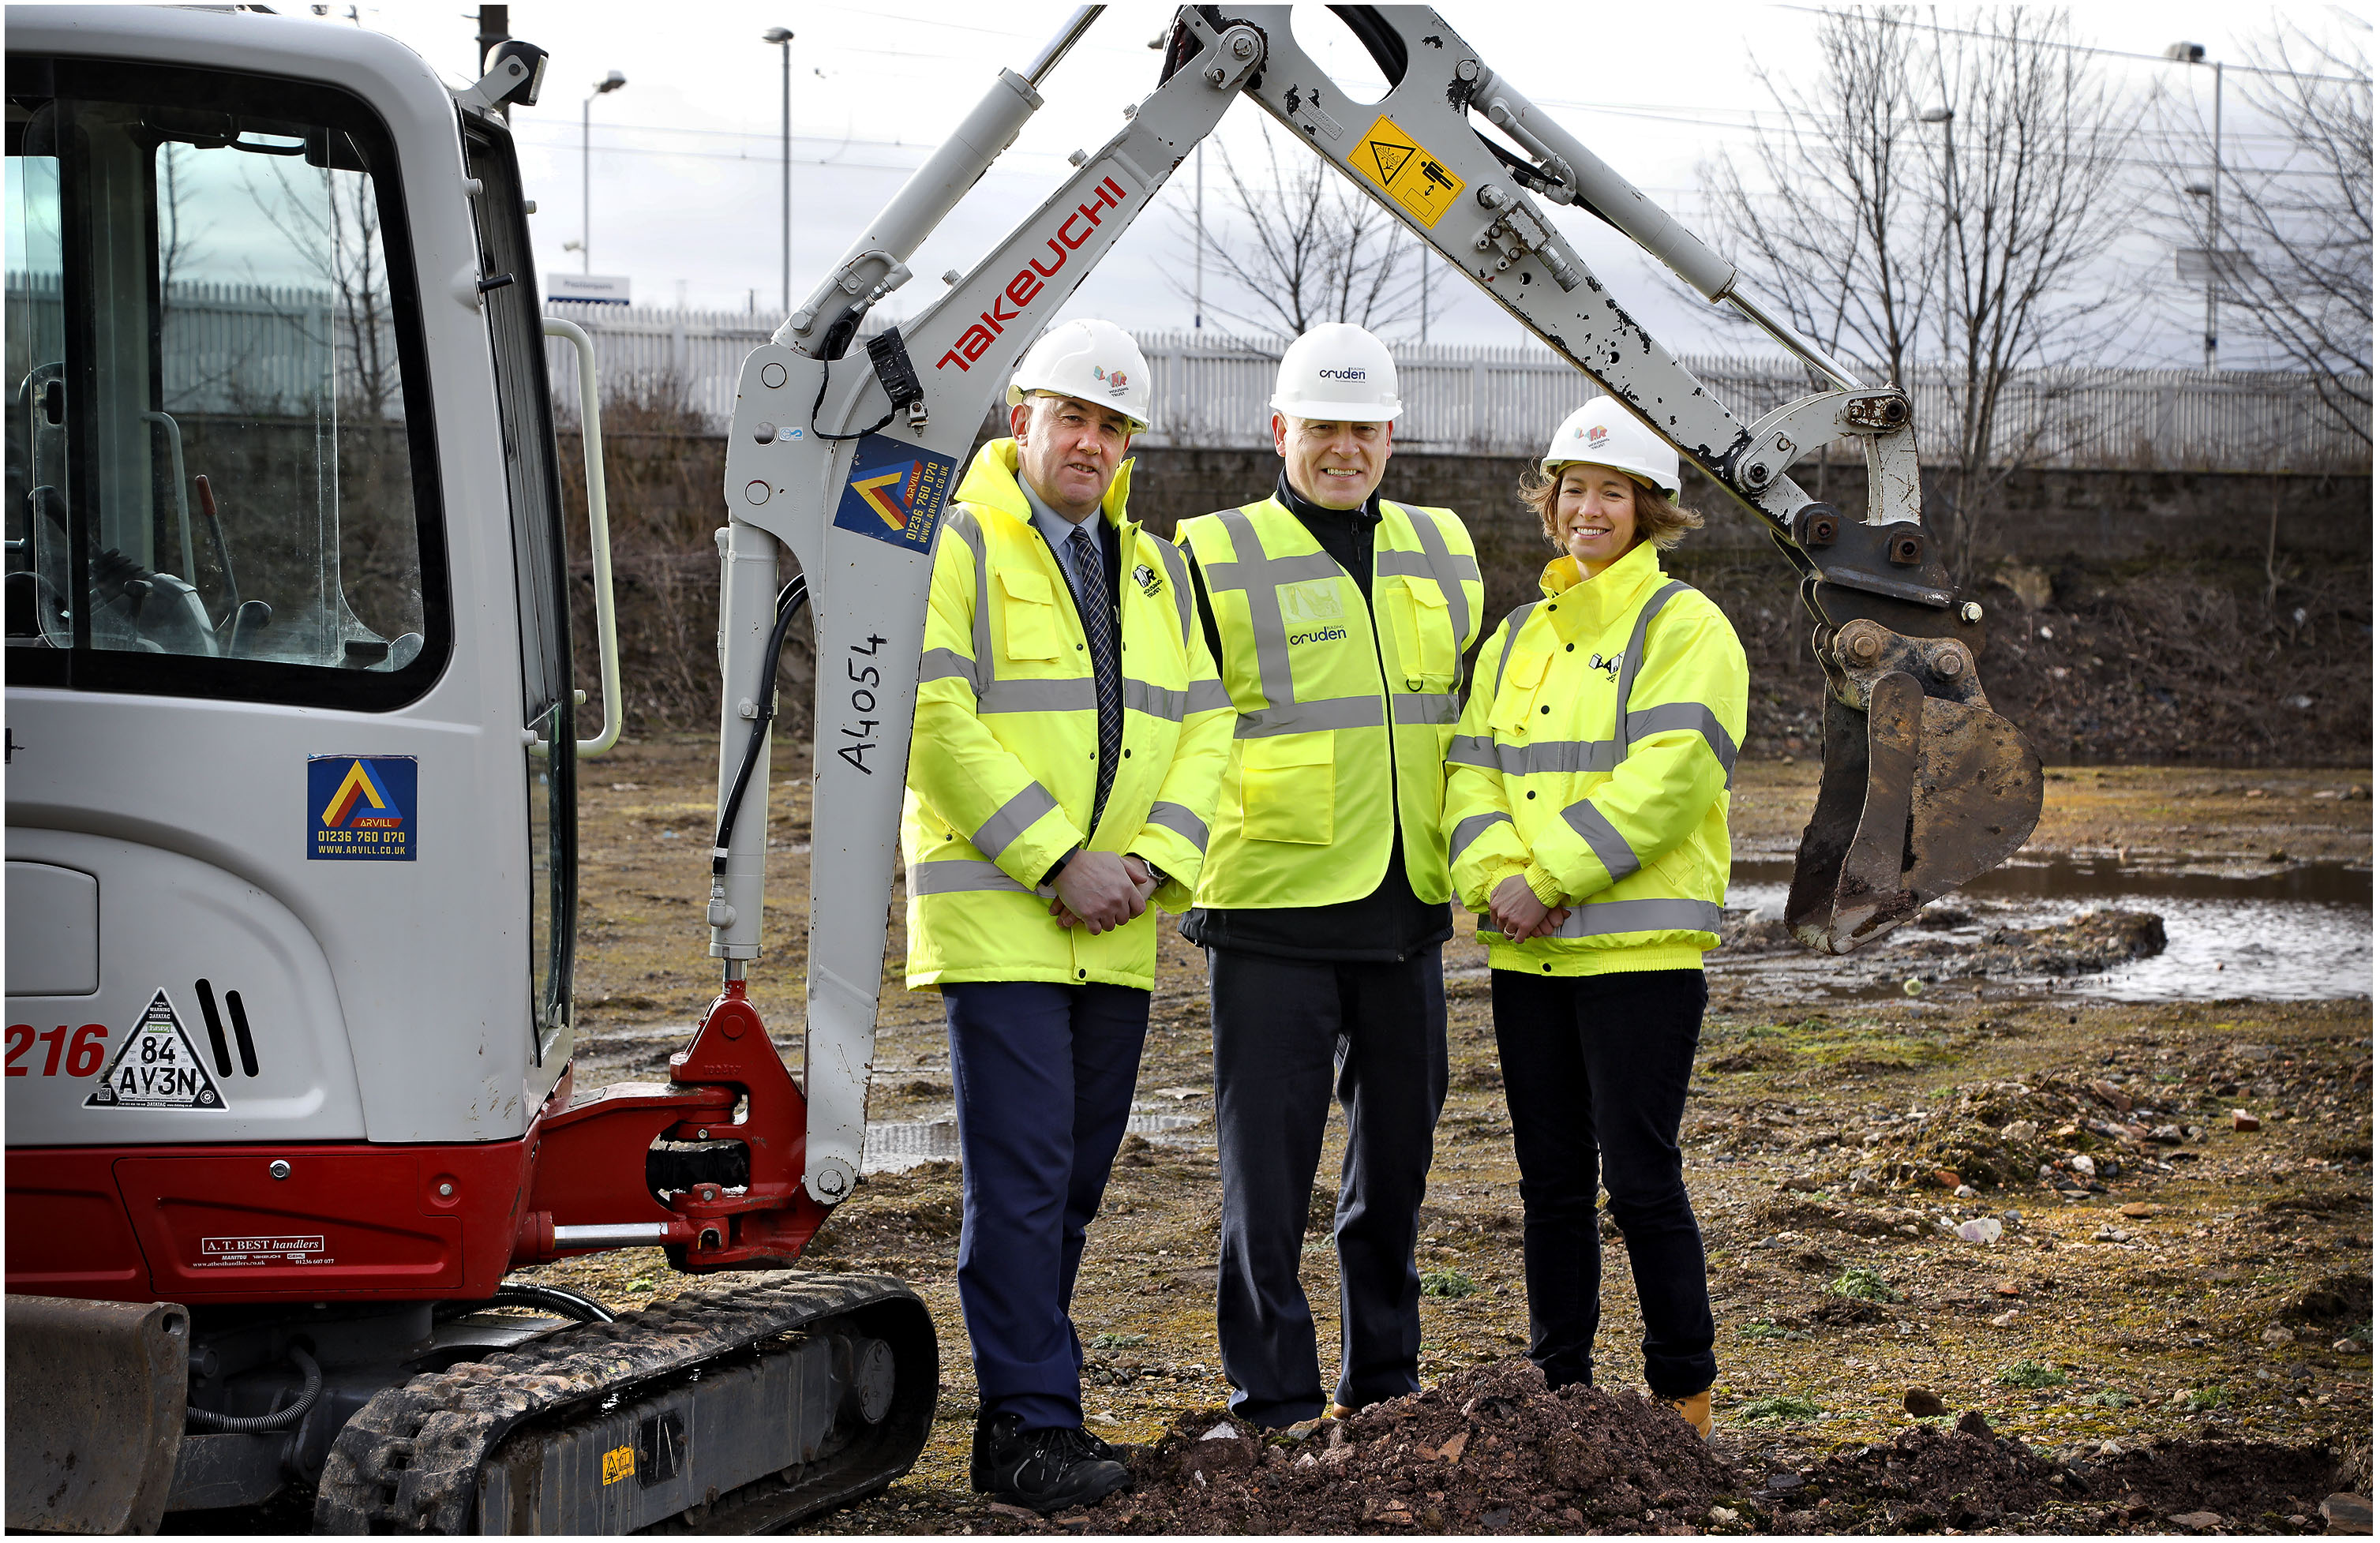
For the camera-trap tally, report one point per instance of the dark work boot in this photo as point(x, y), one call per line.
point(1052, 1469)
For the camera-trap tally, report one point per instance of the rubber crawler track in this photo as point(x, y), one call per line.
point(410, 1459)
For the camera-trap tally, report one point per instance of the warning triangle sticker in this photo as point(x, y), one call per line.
point(157, 1067)
point(1389, 157)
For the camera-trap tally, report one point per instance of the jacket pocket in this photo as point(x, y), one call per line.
point(1287, 787)
point(1517, 691)
point(1441, 651)
point(1028, 614)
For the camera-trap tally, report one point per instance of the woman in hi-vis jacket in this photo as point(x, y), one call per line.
point(1586, 820)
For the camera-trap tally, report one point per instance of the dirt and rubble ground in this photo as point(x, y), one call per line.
point(2172, 1335)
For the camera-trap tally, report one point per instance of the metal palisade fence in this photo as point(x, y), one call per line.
point(1210, 391)
point(232, 347)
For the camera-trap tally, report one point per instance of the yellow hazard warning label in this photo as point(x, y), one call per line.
point(618, 1463)
point(1409, 174)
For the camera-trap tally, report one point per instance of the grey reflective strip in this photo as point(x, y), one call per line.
point(1426, 706)
point(945, 664)
point(1557, 755)
point(1512, 625)
point(1331, 712)
point(1177, 569)
point(1471, 830)
point(1013, 819)
point(1685, 715)
point(1155, 701)
point(1603, 838)
point(1259, 577)
point(1078, 694)
point(1207, 695)
point(1632, 659)
point(958, 876)
point(1640, 916)
point(1449, 568)
point(1404, 565)
point(1181, 822)
point(962, 519)
point(1472, 749)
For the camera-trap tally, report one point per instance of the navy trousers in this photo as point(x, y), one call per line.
point(1289, 1032)
point(1043, 1076)
point(1596, 1069)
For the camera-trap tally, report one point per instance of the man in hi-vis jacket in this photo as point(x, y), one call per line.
point(1340, 622)
point(1070, 740)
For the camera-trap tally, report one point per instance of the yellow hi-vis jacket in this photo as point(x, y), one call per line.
point(1004, 762)
point(1594, 759)
point(1325, 700)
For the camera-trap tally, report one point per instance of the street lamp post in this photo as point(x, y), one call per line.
point(1944, 115)
point(610, 83)
point(2195, 53)
point(784, 38)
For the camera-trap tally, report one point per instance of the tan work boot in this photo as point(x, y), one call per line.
point(1338, 1411)
point(1694, 1409)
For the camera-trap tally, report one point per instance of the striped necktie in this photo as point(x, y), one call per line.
point(1091, 600)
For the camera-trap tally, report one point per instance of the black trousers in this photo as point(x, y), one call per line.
point(1596, 1069)
point(1288, 1033)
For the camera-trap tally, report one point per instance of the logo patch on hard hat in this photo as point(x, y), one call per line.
point(1114, 382)
point(1350, 373)
point(1596, 437)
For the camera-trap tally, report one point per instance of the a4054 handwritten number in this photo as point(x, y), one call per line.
point(864, 679)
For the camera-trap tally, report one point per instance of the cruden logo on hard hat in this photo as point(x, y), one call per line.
point(1350, 373)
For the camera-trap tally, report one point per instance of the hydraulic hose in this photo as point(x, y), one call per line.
point(790, 601)
point(279, 1419)
point(523, 1294)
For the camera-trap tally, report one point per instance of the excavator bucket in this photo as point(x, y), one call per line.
point(1924, 788)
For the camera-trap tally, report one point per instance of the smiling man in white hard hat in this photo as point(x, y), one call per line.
point(1340, 620)
point(1069, 745)
point(1587, 804)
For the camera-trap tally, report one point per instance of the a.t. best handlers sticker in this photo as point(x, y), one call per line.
point(362, 809)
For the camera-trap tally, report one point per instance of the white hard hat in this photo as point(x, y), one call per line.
point(1092, 361)
point(1337, 373)
point(1609, 434)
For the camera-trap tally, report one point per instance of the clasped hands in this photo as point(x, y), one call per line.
point(1101, 891)
point(1520, 915)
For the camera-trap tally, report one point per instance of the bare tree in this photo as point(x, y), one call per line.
point(1301, 247)
point(1957, 256)
point(334, 218)
point(1834, 228)
point(2033, 196)
point(2301, 219)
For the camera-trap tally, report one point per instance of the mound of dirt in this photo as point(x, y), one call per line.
point(1485, 1451)
point(2250, 1485)
point(1924, 1479)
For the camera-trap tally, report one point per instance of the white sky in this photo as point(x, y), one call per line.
point(684, 164)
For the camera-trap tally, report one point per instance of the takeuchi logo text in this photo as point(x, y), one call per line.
point(1029, 281)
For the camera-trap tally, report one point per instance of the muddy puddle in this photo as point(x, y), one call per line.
point(2298, 932)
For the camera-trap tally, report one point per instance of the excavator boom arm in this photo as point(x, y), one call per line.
point(846, 456)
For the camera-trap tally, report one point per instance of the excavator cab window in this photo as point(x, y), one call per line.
point(218, 480)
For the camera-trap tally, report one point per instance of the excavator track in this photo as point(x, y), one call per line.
point(743, 1409)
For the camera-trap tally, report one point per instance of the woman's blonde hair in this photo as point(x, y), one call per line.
point(1659, 520)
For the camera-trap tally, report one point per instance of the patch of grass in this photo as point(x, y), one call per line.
point(2112, 1398)
point(1117, 1341)
point(2217, 1397)
point(1761, 1329)
point(642, 1283)
point(2030, 1374)
point(1863, 1283)
point(1447, 1282)
point(1785, 1406)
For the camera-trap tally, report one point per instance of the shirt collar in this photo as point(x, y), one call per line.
point(1054, 527)
point(1368, 512)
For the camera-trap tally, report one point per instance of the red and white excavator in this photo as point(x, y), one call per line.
point(292, 747)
